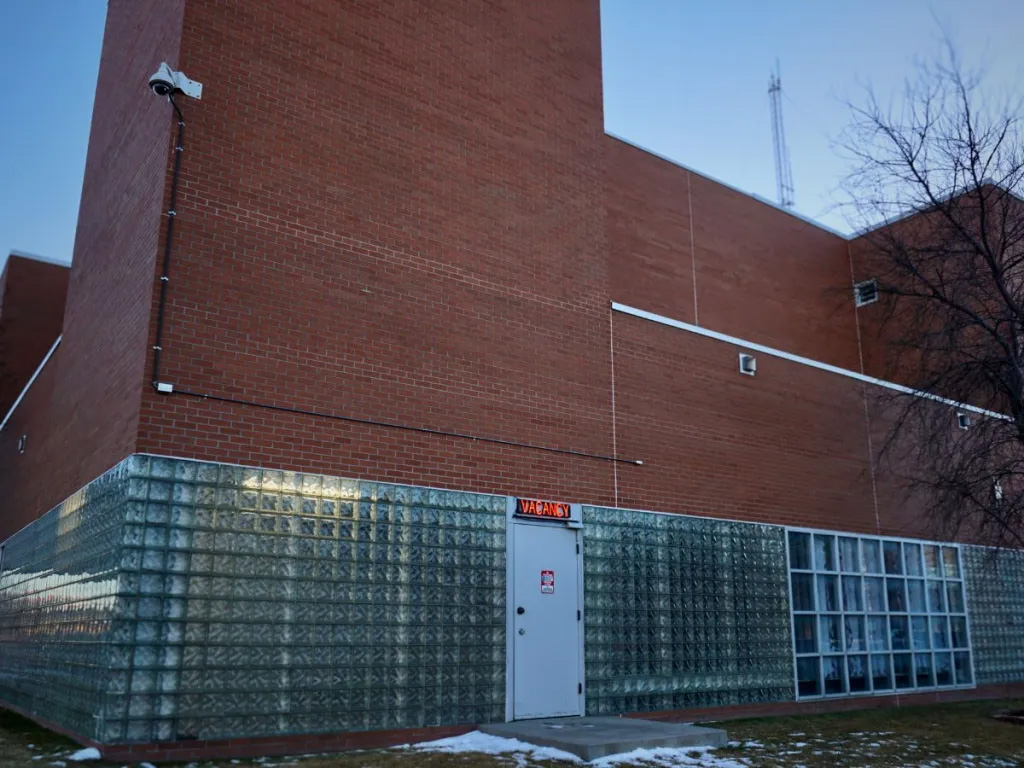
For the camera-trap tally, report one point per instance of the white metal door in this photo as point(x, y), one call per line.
point(546, 621)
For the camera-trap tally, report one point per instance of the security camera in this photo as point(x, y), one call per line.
point(162, 81)
point(166, 82)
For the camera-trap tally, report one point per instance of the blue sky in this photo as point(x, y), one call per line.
point(684, 78)
point(49, 54)
point(689, 78)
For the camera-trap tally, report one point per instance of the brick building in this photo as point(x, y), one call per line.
point(32, 294)
point(445, 372)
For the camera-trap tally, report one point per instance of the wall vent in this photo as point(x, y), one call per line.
point(866, 292)
point(748, 364)
point(963, 420)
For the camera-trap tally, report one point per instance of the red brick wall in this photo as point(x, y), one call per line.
point(787, 446)
point(761, 274)
point(412, 215)
point(24, 494)
point(791, 445)
point(92, 418)
point(32, 295)
point(400, 217)
point(882, 329)
point(648, 224)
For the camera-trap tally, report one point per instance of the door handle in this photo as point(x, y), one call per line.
point(520, 610)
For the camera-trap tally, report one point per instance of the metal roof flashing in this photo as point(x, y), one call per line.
point(37, 257)
point(758, 198)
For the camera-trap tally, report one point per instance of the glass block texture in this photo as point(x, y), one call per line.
point(683, 612)
point(276, 602)
point(60, 609)
point(180, 600)
point(995, 598)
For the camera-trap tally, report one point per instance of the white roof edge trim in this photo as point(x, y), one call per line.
point(758, 198)
point(28, 385)
point(37, 257)
point(735, 341)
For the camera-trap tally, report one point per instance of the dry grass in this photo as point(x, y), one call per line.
point(22, 740)
point(951, 734)
point(948, 734)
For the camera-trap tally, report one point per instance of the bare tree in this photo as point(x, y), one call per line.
point(942, 169)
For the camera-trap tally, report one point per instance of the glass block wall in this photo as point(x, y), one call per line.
point(995, 599)
point(683, 612)
point(279, 602)
point(60, 610)
point(174, 599)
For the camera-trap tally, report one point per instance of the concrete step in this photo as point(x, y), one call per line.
point(594, 737)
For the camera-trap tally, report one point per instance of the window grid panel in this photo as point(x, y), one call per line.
point(876, 615)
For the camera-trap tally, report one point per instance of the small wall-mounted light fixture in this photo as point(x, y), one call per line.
point(748, 364)
point(21, 443)
point(963, 420)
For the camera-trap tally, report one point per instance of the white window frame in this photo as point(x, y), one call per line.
point(864, 614)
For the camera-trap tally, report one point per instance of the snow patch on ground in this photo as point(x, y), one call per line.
point(91, 753)
point(493, 745)
point(669, 757)
point(662, 757)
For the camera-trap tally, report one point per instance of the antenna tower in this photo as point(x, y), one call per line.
point(783, 169)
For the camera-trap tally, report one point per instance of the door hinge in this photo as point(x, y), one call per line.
point(579, 615)
point(580, 688)
point(577, 548)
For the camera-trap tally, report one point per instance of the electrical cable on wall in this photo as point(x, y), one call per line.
point(179, 149)
point(167, 83)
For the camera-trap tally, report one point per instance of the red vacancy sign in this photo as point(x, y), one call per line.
point(547, 582)
point(550, 510)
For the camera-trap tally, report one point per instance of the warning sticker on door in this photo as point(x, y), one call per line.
point(547, 582)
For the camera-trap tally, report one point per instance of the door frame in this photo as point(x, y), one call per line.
point(574, 523)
